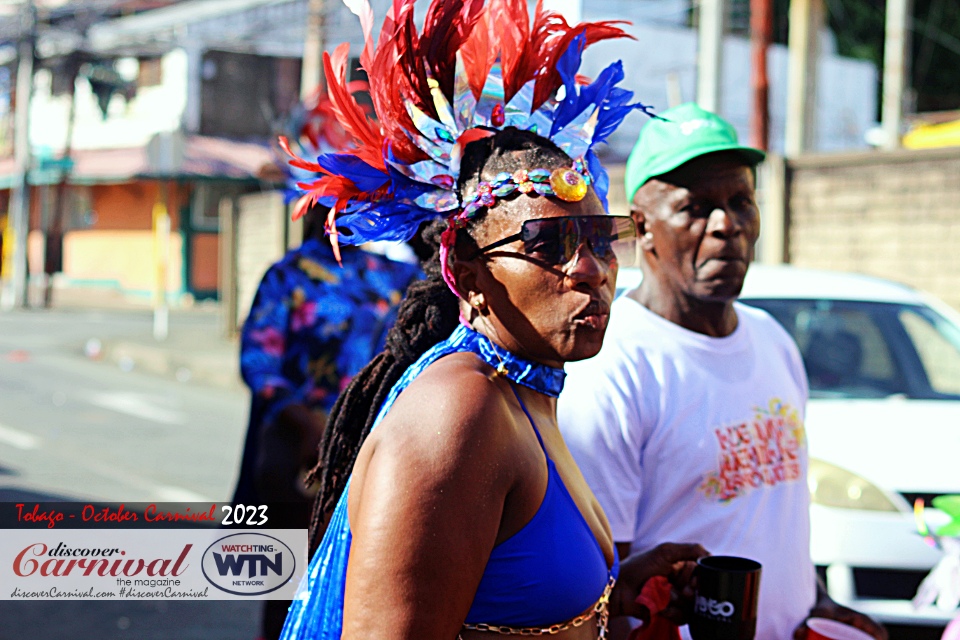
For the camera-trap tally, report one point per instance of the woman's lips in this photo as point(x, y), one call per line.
point(595, 316)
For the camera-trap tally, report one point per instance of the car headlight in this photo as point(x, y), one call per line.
point(833, 486)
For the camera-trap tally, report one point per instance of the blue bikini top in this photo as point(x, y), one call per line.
point(550, 571)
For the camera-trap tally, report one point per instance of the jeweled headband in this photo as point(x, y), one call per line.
point(476, 67)
point(568, 184)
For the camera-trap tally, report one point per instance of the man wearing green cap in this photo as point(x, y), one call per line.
point(688, 425)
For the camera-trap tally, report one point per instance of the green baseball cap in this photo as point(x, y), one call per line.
point(678, 136)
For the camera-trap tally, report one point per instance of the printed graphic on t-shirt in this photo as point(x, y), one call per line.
point(763, 451)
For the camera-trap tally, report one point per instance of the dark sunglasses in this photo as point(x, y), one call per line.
point(555, 241)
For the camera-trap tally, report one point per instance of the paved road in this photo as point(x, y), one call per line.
point(72, 428)
point(77, 428)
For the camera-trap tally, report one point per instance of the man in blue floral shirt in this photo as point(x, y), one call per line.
point(312, 326)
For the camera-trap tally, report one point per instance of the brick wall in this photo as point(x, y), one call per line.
point(895, 215)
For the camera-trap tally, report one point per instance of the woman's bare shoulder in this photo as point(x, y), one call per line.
point(457, 408)
point(429, 493)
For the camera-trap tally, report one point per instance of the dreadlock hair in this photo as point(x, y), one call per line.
point(427, 315)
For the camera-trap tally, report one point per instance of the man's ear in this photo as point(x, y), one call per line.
point(643, 233)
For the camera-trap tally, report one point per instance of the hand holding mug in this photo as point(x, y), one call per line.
point(673, 560)
point(725, 607)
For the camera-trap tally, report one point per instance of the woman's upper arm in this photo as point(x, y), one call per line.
point(426, 513)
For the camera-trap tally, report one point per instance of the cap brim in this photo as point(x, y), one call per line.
point(751, 155)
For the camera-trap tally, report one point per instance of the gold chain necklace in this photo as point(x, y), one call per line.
point(599, 611)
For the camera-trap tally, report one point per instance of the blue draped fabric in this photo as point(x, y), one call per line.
point(317, 609)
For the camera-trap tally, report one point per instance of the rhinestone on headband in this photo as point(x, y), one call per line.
point(568, 184)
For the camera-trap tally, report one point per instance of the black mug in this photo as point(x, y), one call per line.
point(726, 604)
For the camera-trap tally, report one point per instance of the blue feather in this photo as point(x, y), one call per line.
point(386, 220)
point(567, 67)
point(366, 178)
point(596, 92)
point(601, 181)
point(601, 92)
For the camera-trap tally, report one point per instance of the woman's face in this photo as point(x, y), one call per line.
point(547, 313)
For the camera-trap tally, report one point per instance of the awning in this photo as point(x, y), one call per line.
point(197, 157)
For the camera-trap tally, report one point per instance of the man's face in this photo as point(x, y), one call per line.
point(704, 223)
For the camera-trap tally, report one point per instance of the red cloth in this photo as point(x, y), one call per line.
point(655, 596)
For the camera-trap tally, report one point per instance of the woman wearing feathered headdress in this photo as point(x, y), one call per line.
point(462, 512)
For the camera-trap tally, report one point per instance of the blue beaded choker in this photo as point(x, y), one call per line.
point(539, 377)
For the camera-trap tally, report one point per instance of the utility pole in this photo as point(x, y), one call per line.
point(674, 90)
point(311, 79)
point(710, 29)
point(895, 65)
point(311, 74)
point(806, 20)
point(15, 287)
point(161, 253)
point(53, 256)
point(761, 32)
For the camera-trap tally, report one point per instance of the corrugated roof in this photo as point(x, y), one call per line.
point(163, 24)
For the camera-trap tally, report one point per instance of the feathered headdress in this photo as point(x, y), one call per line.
point(312, 129)
point(475, 67)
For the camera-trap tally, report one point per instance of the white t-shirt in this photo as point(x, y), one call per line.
point(688, 438)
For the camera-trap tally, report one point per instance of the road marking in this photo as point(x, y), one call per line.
point(157, 491)
point(18, 439)
point(137, 405)
point(169, 493)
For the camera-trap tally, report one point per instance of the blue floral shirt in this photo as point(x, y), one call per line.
point(314, 324)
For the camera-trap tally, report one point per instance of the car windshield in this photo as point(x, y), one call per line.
point(872, 349)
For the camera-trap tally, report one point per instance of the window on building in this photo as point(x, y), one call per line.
point(246, 96)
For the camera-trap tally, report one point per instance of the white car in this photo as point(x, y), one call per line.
point(883, 426)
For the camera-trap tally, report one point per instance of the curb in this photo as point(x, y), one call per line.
point(212, 368)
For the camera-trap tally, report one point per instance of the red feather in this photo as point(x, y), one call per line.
point(548, 79)
point(389, 86)
point(512, 21)
point(303, 205)
point(479, 52)
point(321, 125)
point(361, 8)
point(447, 26)
point(297, 161)
point(331, 226)
point(364, 131)
point(411, 63)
